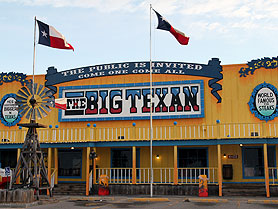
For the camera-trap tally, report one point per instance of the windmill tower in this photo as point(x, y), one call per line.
point(35, 101)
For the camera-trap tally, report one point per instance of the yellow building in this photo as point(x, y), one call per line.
point(207, 119)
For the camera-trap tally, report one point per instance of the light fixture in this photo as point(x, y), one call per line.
point(72, 148)
point(240, 145)
point(225, 156)
point(157, 156)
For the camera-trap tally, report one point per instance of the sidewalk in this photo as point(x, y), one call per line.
point(93, 200)
point(168, 198)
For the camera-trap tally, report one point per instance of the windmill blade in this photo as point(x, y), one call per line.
point(20, 103)
point(42, 111)
point(49, 101)
point(49, 93)
point(21, 99)
point(21, 93)
point(29, 113)
point(25, 91)
point(48, 104)
point(45, 107)
point(44, 91)
point(21, 107)
point(38, 114)
point(24, 111)
point(30, 87)
point(40, 88)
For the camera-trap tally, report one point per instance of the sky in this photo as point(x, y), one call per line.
point(112, 31)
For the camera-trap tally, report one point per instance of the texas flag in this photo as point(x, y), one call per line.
point(49, 36)
point(163, 24)
point(61, 103)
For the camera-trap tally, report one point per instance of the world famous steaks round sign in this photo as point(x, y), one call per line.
point(9, 112)
point(263, 102)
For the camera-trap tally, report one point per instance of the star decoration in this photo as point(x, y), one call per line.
point(44, 34)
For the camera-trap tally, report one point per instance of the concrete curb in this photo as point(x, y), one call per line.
point(149, 199)
point(206, 200)
point(92, 198)
point(18, 205)
point(262, 202)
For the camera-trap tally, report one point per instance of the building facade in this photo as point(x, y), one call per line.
point(213, 119)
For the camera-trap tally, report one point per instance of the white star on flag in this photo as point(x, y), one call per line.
point(44, 34)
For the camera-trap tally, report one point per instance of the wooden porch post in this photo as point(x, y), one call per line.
point(87, 169)
point(133, 165)
point(17, 158)
point(49, 159)
point(56, 164)
point(219, 169)
point(266, 173)
point(94, 169)
point(175, 165)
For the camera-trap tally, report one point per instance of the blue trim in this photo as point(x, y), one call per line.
point(71, 177)
point(200, 82)
point(11, 146)
point(71, 181)
point(147, 143)
point(249, 182)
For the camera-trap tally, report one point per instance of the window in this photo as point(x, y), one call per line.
point(253, 161)
point(192, 158)
point(8, 158)
point(70, 162)
point(190, 162)
point(121, 158)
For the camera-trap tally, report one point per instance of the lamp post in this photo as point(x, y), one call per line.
point(92, 156)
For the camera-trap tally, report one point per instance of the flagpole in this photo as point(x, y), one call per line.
point(151, 107)
point(34, 58)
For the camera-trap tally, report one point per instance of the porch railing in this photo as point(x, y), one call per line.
point(191, 175)
point(53, 176)
point(174, 132)
point(160, 175)
point(273, 179)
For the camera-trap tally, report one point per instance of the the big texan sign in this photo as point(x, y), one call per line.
point(212, 70)
point(179, 99)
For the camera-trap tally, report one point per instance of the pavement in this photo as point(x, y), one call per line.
point(44, 200)
point(168, 198)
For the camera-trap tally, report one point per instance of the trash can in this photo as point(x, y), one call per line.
point(227, 171)
point(103, 185)
point(203, 186)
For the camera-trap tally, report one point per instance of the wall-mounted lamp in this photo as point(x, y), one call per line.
point(72, 148)
point(240, 145)
point(225, 156)
point(157, 157)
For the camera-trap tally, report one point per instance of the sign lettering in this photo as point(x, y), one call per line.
point(182, 99)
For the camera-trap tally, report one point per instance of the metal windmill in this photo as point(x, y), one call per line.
point(34, 101)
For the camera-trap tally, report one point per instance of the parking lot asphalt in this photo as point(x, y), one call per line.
point(142, 201)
